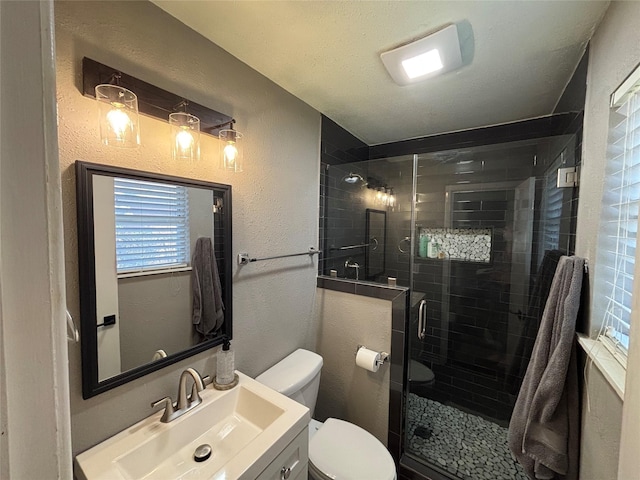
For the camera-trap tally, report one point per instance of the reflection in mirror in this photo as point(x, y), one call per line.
point(375, 238)
point(157, 249)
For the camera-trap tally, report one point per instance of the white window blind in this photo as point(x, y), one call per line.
point(618, 232)
point(552, 199)
point(152, 225)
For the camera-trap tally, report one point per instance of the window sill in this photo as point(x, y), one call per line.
point(604, 360)
point(159, 271)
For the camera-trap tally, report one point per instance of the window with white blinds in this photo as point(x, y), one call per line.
point(552, 199)
point(619, 227)
point(152, 226)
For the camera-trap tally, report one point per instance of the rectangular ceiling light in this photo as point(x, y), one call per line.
point(432, 55)
point(422, 64)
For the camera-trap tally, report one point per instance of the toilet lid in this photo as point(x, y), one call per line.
point(419, 372)
point(342, 451)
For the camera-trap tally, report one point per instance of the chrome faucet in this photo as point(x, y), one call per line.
point(185, 403)
point(349, 263)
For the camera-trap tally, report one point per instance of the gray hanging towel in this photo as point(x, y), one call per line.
point(208, 309)
point(545, 425)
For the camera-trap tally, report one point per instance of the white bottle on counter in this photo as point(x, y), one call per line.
point(225, 365)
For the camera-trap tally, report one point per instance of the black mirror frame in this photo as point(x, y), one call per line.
point(91, 385)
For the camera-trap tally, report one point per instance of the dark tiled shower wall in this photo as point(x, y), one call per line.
point(468, 314)
point(345, 226)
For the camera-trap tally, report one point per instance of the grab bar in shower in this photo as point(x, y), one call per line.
point(244, 258)
point(373, 242)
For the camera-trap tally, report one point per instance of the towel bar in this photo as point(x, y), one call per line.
point(244, 258)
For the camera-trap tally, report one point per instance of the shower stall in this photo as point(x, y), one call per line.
point(468, 230)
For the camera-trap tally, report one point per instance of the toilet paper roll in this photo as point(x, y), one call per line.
point(368, 359)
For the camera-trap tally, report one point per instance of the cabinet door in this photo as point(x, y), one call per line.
point(292, 463)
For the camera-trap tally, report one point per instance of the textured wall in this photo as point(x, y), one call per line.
point(600, 429)
point(346, 391)
point(34, 403)
point(613, 53)
point(274, 199)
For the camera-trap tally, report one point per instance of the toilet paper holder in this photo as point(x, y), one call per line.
point(384, 356)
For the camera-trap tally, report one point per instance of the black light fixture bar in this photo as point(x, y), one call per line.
point(152, 100)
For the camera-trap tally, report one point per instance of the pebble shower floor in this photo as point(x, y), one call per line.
point(468, 446)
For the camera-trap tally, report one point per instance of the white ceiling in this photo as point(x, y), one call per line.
point(327, 53)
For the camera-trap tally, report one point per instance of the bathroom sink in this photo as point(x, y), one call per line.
point(246, 428)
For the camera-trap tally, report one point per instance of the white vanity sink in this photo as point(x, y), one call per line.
point(246, 427)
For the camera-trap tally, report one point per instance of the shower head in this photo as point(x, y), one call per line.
point(353, 178)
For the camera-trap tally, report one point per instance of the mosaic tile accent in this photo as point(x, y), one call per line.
point(463, 444)
point(467, 244)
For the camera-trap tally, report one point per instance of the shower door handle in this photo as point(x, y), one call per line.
point(422, 319)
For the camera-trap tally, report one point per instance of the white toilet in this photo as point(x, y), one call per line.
point(338, 450)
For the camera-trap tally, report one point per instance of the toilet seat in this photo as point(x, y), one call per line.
point(420, 373)
point(343, 451)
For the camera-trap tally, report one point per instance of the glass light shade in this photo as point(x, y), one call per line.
point(118, 110)
point(231, 149)
point(185, 135)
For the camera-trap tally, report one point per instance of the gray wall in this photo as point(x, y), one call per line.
point(613, 53)
point(34, 403)
point(347, 391)
point(274, 200)
point(155, 313)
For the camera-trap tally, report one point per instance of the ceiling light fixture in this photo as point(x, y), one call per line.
point(422, 64)
point(432, 55)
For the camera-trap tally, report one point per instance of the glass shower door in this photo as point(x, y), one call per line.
point(478, 210)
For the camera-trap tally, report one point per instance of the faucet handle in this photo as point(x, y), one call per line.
point(168, 408)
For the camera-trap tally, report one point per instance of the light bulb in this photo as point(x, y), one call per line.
point(119, 122)
point(185, 132)
point(118, 115)
point(230, 153)
point(230, 149)
point(184, 139)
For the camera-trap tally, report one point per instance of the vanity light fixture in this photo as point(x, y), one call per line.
point(392, 199)
point(121, 126)
point(427, 57)
point(185, 136)
point(118, 115)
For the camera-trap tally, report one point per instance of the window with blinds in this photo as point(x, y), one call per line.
point(152, 226)
point(551, 211)
point(619, 227)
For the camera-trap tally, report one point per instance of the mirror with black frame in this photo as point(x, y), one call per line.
point(155, 271)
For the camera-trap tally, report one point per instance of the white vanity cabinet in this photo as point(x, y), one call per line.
point(292, 463)
point(253, 432)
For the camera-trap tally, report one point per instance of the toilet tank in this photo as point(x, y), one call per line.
point(297, 376)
